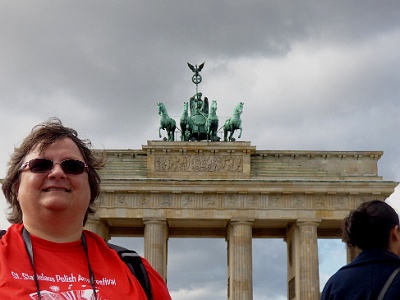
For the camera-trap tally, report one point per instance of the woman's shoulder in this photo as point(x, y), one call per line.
point(93, 238)
point(11, 233)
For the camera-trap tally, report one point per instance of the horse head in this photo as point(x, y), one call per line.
point(213, 107)
point(239, 108)
point(185, 107)
point(161, 108)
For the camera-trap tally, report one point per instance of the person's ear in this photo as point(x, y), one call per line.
point(395, 233)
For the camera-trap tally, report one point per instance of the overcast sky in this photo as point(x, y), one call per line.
point(313, 75)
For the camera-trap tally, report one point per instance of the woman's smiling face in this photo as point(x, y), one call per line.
point(41, 194)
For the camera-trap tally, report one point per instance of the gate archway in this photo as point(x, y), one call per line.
point(232, 190)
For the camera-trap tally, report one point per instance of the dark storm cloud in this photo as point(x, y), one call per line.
point(119, 57)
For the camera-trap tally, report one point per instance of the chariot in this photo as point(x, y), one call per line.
point(202, 123)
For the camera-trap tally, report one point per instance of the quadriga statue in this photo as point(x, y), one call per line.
point(233, 123)
point(166, 122)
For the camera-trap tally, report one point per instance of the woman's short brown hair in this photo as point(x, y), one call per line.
point(43, 135)
point(368, 226)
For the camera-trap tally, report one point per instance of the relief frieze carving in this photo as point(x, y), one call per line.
point(275, 201)
point(143, 200)
point(233, 201)
point(120, 200)
point(340, 202)
point(198, 163)
point(253, 201)
point(187, 201)
point(209, 201)
point(319, 203)
point(297, 201)
point(165, 201)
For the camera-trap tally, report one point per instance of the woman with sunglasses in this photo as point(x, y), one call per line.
point(373, 228)
point(51, 185)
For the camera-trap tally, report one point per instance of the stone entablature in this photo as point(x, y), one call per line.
point(177, 179)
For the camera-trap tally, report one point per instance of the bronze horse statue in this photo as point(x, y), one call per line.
point(166, 122)
point(186, 123)
point(212, 123)
point(233, 123)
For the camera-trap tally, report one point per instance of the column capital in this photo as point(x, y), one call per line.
point(239, 220)
point(301, 222)
point(162, 221)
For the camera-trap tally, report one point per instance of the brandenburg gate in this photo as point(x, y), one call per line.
point(232, 190)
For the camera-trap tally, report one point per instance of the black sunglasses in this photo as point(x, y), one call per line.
point(43, 165)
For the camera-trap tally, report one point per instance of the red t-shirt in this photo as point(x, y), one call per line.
point(63, 273)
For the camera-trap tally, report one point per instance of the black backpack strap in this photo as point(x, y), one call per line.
point(135, 264)
point(388, 283)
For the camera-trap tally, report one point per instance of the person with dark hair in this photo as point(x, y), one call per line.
point(51, 185)
point(374, 229)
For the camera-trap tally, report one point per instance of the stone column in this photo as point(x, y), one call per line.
point(351, 252)
point(98, 226)
point(155, 244)
point(308, 260)
point(240, 260)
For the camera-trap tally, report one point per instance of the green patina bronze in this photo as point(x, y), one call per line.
point(199, 120)
point(212, 123)
point(233, 123)
point(166, 122)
